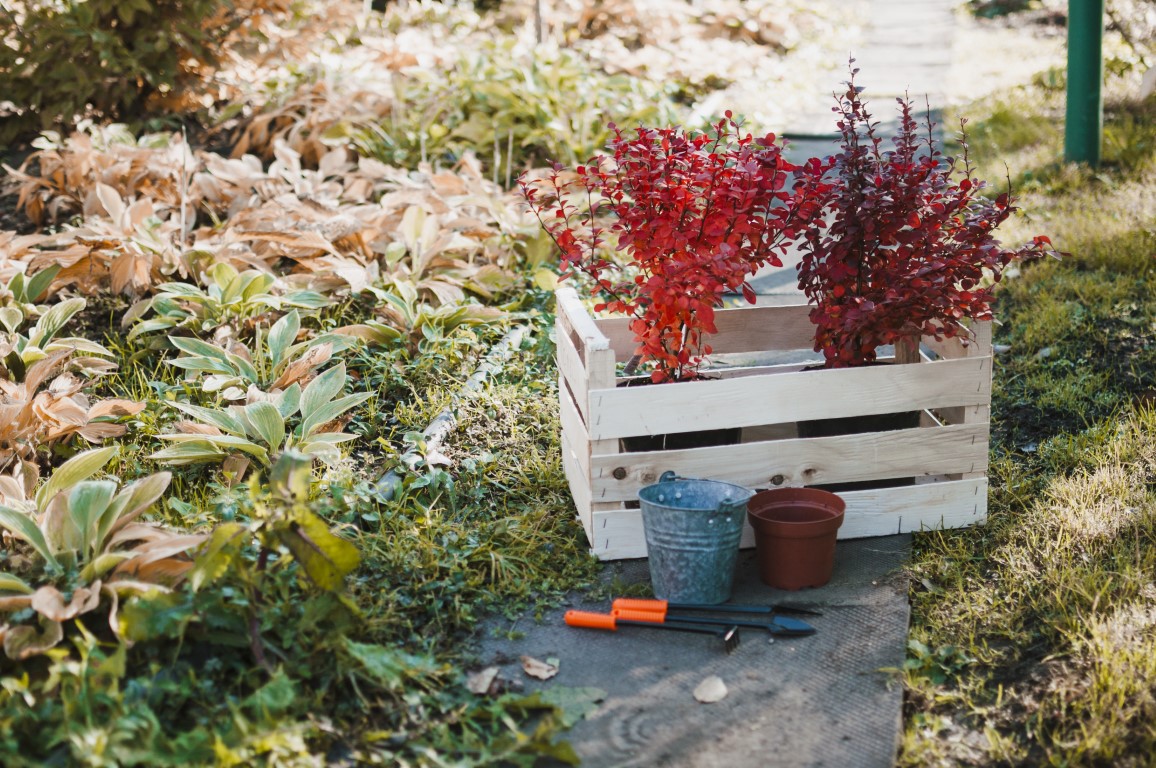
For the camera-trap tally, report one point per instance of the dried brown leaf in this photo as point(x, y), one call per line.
point(542, 670)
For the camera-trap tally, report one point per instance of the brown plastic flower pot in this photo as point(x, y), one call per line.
point(795, 531)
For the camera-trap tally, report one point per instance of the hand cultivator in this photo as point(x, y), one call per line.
point(590, 620)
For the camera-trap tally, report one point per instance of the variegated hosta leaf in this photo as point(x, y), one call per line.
point(24, 641)
point(80, 467)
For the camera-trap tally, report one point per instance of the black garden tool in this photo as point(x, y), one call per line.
point(642, 604)
point(781, 626)
point(728, 634)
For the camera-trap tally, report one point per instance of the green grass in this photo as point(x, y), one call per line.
point(1034, 635)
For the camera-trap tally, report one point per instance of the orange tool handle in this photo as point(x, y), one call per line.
point(640, 604)
point(649, 617)
point(591, 620)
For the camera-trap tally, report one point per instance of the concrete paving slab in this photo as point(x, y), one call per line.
point(807, 702)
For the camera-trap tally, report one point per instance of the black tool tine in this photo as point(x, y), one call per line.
point(731, 639)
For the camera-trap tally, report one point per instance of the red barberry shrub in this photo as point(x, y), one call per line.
point(903, 245)
point(692, 215)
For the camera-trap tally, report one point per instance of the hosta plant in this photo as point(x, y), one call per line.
point(75, 545)
point(21, 346)
point(695, 215)
point(407, 321)
point(907, 246)
point(229, 297)
point(48, 407)
point(298, 419)
point(271, 363)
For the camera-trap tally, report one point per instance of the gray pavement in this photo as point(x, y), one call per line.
point(803, 703)
point(825, 700)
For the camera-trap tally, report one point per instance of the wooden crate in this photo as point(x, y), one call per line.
point(949, 382)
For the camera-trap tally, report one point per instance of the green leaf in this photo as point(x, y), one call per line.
point(267, 422)
point(218, 554)
point(155, 614)
point(273, 698)
point(282, 335)
point(325, 557)
point(102, 565)
point(305, 300)
point(76, 344)
point(202, 365)
point(54, 319)
point(11, 318)
point(87, 502)
point(38, 283)
point(255, 285)
point(326, 413)
point(23, 527)
point(290, 400)
point(12, 583)
point(322, 389)
point(220, 419)
point(199, 348)
point(191, 452)
point(80, 467)
point(131, 503)
point(222, 274)
point(391, 667)
point(148, 326)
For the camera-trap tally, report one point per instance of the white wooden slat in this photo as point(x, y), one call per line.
point(573, 313)
point(742, 329)
point(573, 376)
point(697, 405)
point(952, 504)
point(618, 534)
point(797, 462)
point(579, 487)
point(574, 431)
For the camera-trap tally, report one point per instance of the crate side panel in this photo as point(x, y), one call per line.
point(579, 483)
point(574, 380)
point(618, 534)
point(796, 462)
point(787, 397)
point(574, 431)
point(885, 511)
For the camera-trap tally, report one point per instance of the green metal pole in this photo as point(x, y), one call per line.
point(1084, 122)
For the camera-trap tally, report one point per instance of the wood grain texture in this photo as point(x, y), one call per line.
point(774, 399)
point(797, 462)
point(618, 534)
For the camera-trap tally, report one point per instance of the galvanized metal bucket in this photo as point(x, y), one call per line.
point(692, 537)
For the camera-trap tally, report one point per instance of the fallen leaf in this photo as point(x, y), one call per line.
point(711, 690)
point(543, 670)
point(480, 682)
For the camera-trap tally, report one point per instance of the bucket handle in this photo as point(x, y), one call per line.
point(725, 507)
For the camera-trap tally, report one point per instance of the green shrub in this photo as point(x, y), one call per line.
point(523, 107)
point(62, 59)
